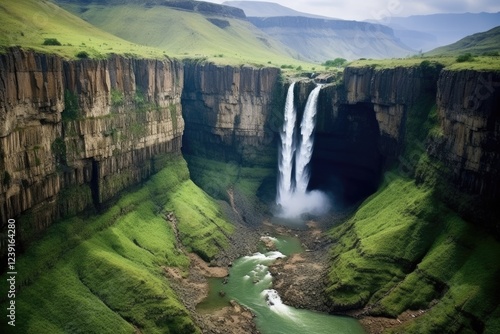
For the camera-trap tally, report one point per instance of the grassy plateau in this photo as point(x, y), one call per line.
point(187, 34)
point(28, 23)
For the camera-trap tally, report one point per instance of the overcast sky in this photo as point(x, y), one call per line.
point(377, 9)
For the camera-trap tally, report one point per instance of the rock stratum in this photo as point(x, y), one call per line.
point(76, 133)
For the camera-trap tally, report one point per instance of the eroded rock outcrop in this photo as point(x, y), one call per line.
point(75, 133)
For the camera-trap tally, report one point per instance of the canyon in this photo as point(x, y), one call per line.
point(76, 135)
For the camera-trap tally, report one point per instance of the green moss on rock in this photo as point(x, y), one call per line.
point(104, 273)
point(403, 250)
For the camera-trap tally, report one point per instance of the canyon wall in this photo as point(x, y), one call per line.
point(468, 105)
point(232, 113)
point(75, 133)
point(362, 125)
point(376, 119)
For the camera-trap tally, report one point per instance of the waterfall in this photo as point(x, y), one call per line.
point(285, 185)
point(292, 196)
point(305, 150)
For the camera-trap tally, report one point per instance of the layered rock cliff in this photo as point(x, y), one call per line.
point(426, 235)
point(232, 113)
point(469, 141)
point(75, 133)
point(378, 118)
point(362, 125)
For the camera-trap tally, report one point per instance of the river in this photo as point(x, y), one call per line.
point(250, 283)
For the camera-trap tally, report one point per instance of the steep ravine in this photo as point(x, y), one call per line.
point(75, 134)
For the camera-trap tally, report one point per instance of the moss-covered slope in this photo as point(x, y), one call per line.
point(103, 274)
point(417, 244)
point(404, 250)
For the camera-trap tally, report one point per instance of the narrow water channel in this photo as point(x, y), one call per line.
point(250, 283)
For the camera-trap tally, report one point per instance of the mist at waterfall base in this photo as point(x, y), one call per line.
point(293, 199)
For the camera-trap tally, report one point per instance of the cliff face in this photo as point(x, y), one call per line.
point(231, 112)
point(391, 93)
point(469, 141)
point(362, 124)
point(75, 133)
point(368, 121)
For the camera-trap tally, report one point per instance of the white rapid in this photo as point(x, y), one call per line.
point(292, 197)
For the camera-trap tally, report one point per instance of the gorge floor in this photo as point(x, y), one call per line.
point(299, 278)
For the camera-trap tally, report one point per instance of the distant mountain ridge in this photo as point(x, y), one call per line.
point(476, 44)
point(322, 39)
point(268, 9)
point(318, 38)
point(427, 32)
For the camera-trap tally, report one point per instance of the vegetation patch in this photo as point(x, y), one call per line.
point(117, 98)
point(465, 57)
point(71, 110)
point(430, 263)
point(104, 273)
point(51, 41)
point(83, 55)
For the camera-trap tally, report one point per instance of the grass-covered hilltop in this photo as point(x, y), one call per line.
point(139, 150)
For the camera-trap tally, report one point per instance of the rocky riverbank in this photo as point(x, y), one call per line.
point(192, 286)
point(299, 278)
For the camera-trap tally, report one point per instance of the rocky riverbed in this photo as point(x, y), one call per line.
point(300, 279)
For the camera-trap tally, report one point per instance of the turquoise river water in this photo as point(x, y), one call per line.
point(250, 283)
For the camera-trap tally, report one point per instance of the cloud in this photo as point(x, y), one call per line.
point(363, 10)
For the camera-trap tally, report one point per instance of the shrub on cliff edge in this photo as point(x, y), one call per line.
point(465, 57)
point(51, 41)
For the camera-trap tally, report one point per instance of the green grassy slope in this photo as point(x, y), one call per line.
point(187, 34)
point(477, 44)
point(103, 274)
point(407, 249)
point(28, 23)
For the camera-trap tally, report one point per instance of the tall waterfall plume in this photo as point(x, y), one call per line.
point(305, 150)
point(285, 185)
point(293, 198)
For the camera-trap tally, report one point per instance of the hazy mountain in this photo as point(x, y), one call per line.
point(426, 32)
point(321, 39)
point(318, 38)
point(477, 44)
point(267, 9)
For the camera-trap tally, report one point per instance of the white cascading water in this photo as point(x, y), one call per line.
point(304, 153)
point(285, 185)
point(292, 196)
